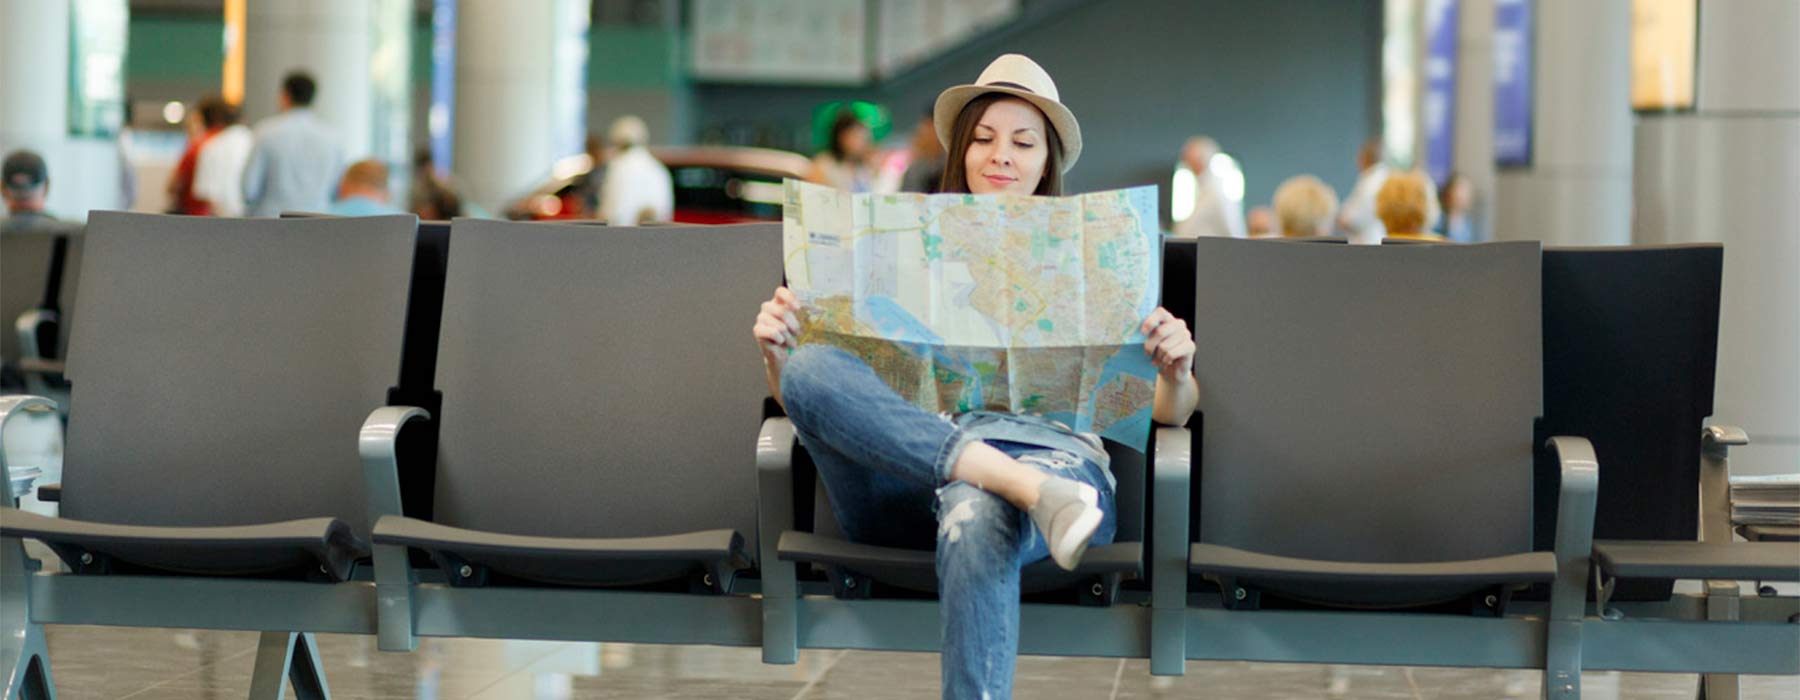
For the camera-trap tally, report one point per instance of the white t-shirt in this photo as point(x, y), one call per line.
point(636, 188)
point(219, 172)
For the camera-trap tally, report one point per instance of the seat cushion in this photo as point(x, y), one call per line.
point(1761, 561)
point(916, 569)
point(308, 548)
point(1369, 584)
point(573, 561)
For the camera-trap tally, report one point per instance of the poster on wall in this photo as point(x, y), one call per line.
point(912, 31)
point(438, 116)
point(1440, 86)
point(822, 42)
point(1512, 83)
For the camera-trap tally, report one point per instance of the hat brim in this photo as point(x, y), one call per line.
point(950, 103)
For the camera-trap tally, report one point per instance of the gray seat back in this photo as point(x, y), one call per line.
point(1369, 404)
point(602, 382)
point(222, 368)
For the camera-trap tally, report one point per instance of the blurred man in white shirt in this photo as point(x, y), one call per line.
point(637, 187)
point(1216, 213)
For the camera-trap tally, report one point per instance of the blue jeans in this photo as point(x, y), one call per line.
point(886, 463)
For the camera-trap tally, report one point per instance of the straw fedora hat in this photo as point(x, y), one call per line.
point(1015, 75)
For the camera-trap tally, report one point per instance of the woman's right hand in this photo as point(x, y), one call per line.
point(777, 328)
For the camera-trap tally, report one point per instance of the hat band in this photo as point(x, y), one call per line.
point(1014, 86)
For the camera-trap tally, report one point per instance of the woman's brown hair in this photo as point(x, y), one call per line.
point(956, 178)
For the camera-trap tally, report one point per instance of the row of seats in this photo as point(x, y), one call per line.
point(558, 420)
point(38, 280)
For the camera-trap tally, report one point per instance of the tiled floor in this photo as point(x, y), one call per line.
point(96, 663)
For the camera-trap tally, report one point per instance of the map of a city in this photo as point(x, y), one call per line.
point(1000, 302)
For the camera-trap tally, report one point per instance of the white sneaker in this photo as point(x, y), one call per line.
point(1067, 513)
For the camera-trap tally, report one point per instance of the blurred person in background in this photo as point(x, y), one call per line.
point(1216, 213)
point(1456, 198)
point(926, 166)
point(1305, 206)
point(203, 121)
point(587, 185)
point(128, 181)
point(849, 160)
point(1404, 205)
point(1358, 218)
point(363, 191)
point(296, 160)
point(1260, 223)
point(637, 187)
point(25, 183)
point(219, 173)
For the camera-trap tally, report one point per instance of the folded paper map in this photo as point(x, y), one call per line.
point(1000, 302)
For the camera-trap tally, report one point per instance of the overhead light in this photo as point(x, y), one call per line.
point(174, 112)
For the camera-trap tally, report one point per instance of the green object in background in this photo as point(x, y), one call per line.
point(98, 36)
point(872, 115)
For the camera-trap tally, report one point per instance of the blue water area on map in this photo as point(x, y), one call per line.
point(1134, 430)
point(895, 322)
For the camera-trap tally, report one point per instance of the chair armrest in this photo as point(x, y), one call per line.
point(27, 326)
point(381, 469)
point(775, 515)
point(50, 493)
point(1576, 502)
point(15, 405)
point(775, 484)
point(381, 480)
point(1171, 473)
point(1716, 442)
point(1721, 438)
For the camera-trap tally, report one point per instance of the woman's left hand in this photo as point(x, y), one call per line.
point(1169, 344)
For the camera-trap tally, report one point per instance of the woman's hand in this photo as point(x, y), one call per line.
point(1169, 344)
point(777, 328)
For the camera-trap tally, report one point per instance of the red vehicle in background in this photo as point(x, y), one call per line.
point(713, 185)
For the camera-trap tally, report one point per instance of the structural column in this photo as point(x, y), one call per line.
point(1577, 189)
point(1472, 152)
point(517, 108)
point(34, 82)
point(1728, 171)
point(331, 39)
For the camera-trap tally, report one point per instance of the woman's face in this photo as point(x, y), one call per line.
point(855, 141)
point(1008, 151)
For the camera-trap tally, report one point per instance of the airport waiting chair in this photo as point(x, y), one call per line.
point(875, 597)
point(1630, 347)
point(417, 447)
point(39, 268)
point(1364, 444)
point(594, 477)
point(219, 368)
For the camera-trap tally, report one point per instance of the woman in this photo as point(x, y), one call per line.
point(205, 121)
point(1305, 206)
point(1404, 205)
point(992, 491)
point(1456, 198)
point(848, 161)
